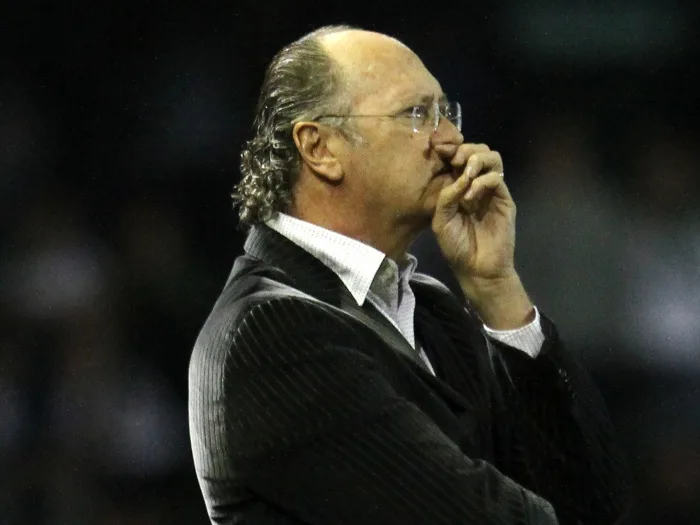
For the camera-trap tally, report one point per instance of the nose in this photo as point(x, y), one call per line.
point(446, 134)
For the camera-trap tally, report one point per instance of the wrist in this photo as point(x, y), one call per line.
point(501, 302)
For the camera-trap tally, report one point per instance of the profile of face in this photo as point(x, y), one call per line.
point(392, 173)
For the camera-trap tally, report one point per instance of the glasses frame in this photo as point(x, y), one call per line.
point(439, 110)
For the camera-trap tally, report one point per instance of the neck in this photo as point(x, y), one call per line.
point(340, 209)
point(390, 239)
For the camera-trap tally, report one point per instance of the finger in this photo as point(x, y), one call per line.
point(484, 161)
point(478, 202)
point(489, 182)
point(465, 152)
point(459, 189)
point(447, 150)
point(455, 192)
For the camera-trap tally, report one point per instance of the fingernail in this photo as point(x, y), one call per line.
point(469, 171)
point(469, 194)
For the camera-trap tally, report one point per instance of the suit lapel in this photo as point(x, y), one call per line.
point(374, 319)
point(454, 339)
point(295, 266)
point(393, 338)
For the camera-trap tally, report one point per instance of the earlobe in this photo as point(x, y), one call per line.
point(312, 141)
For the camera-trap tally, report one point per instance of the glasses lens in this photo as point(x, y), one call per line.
point(421, 115)
point(452, 111)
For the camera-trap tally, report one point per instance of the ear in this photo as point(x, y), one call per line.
point(318, 146)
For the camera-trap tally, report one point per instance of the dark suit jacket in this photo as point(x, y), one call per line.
point(307, 409)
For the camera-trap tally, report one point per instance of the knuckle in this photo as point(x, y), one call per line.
point(470, 148)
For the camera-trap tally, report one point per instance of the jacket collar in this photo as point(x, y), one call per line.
point(295, 265)
point(289, 263)
point(354, 262)
point(286, 262)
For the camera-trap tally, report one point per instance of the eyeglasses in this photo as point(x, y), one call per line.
point(424, 117)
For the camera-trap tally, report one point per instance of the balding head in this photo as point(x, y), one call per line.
point(328, 76)
point(361, 50)
point(370, 62)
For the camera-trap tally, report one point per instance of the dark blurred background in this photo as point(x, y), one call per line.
point(120, 131)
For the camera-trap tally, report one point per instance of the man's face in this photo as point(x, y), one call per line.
point(392, 171)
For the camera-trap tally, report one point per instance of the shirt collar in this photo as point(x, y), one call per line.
point(354, 262)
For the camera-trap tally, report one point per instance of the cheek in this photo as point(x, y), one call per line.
point(411, 156)
point(399, 162)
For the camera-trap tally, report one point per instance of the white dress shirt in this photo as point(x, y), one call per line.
point(370, 275)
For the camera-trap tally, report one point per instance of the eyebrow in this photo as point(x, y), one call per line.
point(429, 98)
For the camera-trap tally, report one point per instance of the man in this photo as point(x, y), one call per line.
point(331, 383)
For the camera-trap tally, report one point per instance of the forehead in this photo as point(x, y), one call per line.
point(381, 70)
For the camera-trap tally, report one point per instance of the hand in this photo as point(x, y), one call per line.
point(474, 223)
point(474, 220)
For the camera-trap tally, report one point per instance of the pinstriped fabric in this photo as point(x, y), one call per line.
point(300, 415)
point(587, 460)
point(369, 274)
point(559, 432)
point(528, 339)
point(303, 401)
point(366, 272)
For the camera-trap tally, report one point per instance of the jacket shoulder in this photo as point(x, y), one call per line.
point(260, 305)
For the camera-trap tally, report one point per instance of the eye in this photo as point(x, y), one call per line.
point(420, 112)
point(408, 112)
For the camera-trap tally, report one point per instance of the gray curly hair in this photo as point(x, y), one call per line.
point(302, 83)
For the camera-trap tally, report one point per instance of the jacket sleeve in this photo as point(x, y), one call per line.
point(554, 433)
point(308, 421)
